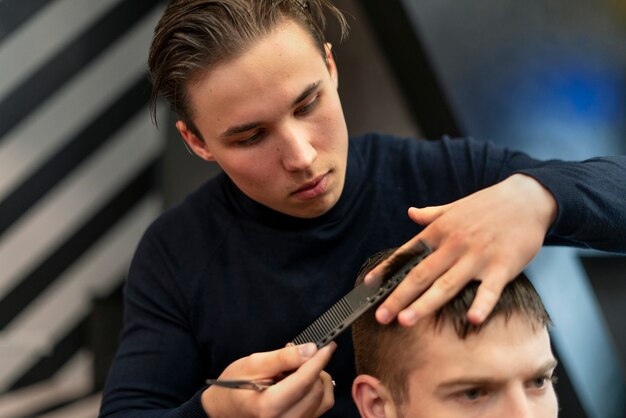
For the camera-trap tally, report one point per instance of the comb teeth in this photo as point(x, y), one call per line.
point(343, 313)
point(324, 326)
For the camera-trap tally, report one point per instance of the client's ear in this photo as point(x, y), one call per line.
point(372, 398)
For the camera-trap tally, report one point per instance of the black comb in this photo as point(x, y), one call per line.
point(358, 301)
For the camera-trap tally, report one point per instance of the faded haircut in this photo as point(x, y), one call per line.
point(195, 35)
point(386, 351)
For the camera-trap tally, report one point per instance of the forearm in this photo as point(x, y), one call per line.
point(190, 409)
point(591, 202)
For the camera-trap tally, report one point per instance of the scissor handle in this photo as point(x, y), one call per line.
point(255, 384)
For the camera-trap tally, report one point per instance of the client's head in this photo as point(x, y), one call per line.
point(447, 367)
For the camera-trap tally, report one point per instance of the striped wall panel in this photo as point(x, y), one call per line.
point(78, 163)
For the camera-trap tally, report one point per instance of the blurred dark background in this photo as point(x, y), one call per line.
point(83, 171)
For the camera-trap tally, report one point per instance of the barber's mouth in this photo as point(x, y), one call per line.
point(314, 188)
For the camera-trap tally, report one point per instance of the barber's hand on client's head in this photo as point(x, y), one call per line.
point(490, 236)
point(305, 392)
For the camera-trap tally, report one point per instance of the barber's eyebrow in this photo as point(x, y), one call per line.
point(486, 381)
point(238, 129)
point(307, 91)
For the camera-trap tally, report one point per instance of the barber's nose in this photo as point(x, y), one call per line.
point(297, 151)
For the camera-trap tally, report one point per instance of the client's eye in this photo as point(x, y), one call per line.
point(472, 394)
point(540, 382)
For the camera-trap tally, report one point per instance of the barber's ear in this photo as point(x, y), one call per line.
point(197, 145)
point(372, 398)
point(330, 63)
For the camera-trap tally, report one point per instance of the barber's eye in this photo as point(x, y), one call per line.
point(252, 138)
point(307, 108)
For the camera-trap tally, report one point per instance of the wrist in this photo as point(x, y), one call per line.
point(208, 403)
point(541, 200)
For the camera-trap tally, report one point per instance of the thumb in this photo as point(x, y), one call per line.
point(425, 216)
point(275, 362)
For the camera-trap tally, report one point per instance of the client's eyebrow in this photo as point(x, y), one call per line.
point(486, 381)
point(238, 129)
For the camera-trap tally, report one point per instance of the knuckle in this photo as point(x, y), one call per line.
point(328, 403)
point(392, 300)
point(445, 284)
point(458, 239)
point(416, 278)
point(255, 360)
point(483, 245)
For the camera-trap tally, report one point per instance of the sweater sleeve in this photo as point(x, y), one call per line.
point(156, 371)
point(590, 194)
point(591, 201)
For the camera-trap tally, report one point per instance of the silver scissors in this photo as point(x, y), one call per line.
point(255, 384)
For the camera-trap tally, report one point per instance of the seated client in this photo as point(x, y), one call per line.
point(446, 367)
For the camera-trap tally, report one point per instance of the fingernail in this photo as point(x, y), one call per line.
point(408, 317)
point(476, 315)
point(307, 350)
point(383, 315)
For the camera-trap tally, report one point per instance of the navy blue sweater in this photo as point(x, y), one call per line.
point(221, 276)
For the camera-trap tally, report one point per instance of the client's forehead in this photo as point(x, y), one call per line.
point(503, 349)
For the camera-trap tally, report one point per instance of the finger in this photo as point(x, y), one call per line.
point(414, 245)
point(415, 283)
point(486, 298)
point(329, 394)
point(442, 290)
point(317, 401)
point(295, 387)
point(424, 216)
point(272, 363)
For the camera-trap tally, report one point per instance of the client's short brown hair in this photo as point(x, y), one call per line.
point(386, 351)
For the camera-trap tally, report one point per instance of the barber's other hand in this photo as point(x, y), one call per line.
point(307, 392)
point(490, 236)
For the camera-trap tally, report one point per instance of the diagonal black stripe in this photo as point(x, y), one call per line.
point(105, 328)
point(412, 67)
point(34, 283)
point(63, 351)
point(26, 97)
point(86, 334)
point(13, 13)
point(77, 150)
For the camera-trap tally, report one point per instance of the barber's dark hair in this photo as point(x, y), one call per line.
point(194, 35)
point(385, 351)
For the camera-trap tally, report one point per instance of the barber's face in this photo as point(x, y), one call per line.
point(503, 371)
point(271, 118)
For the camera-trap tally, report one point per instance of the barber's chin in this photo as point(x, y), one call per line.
point(315, 207)
point(311, 212)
